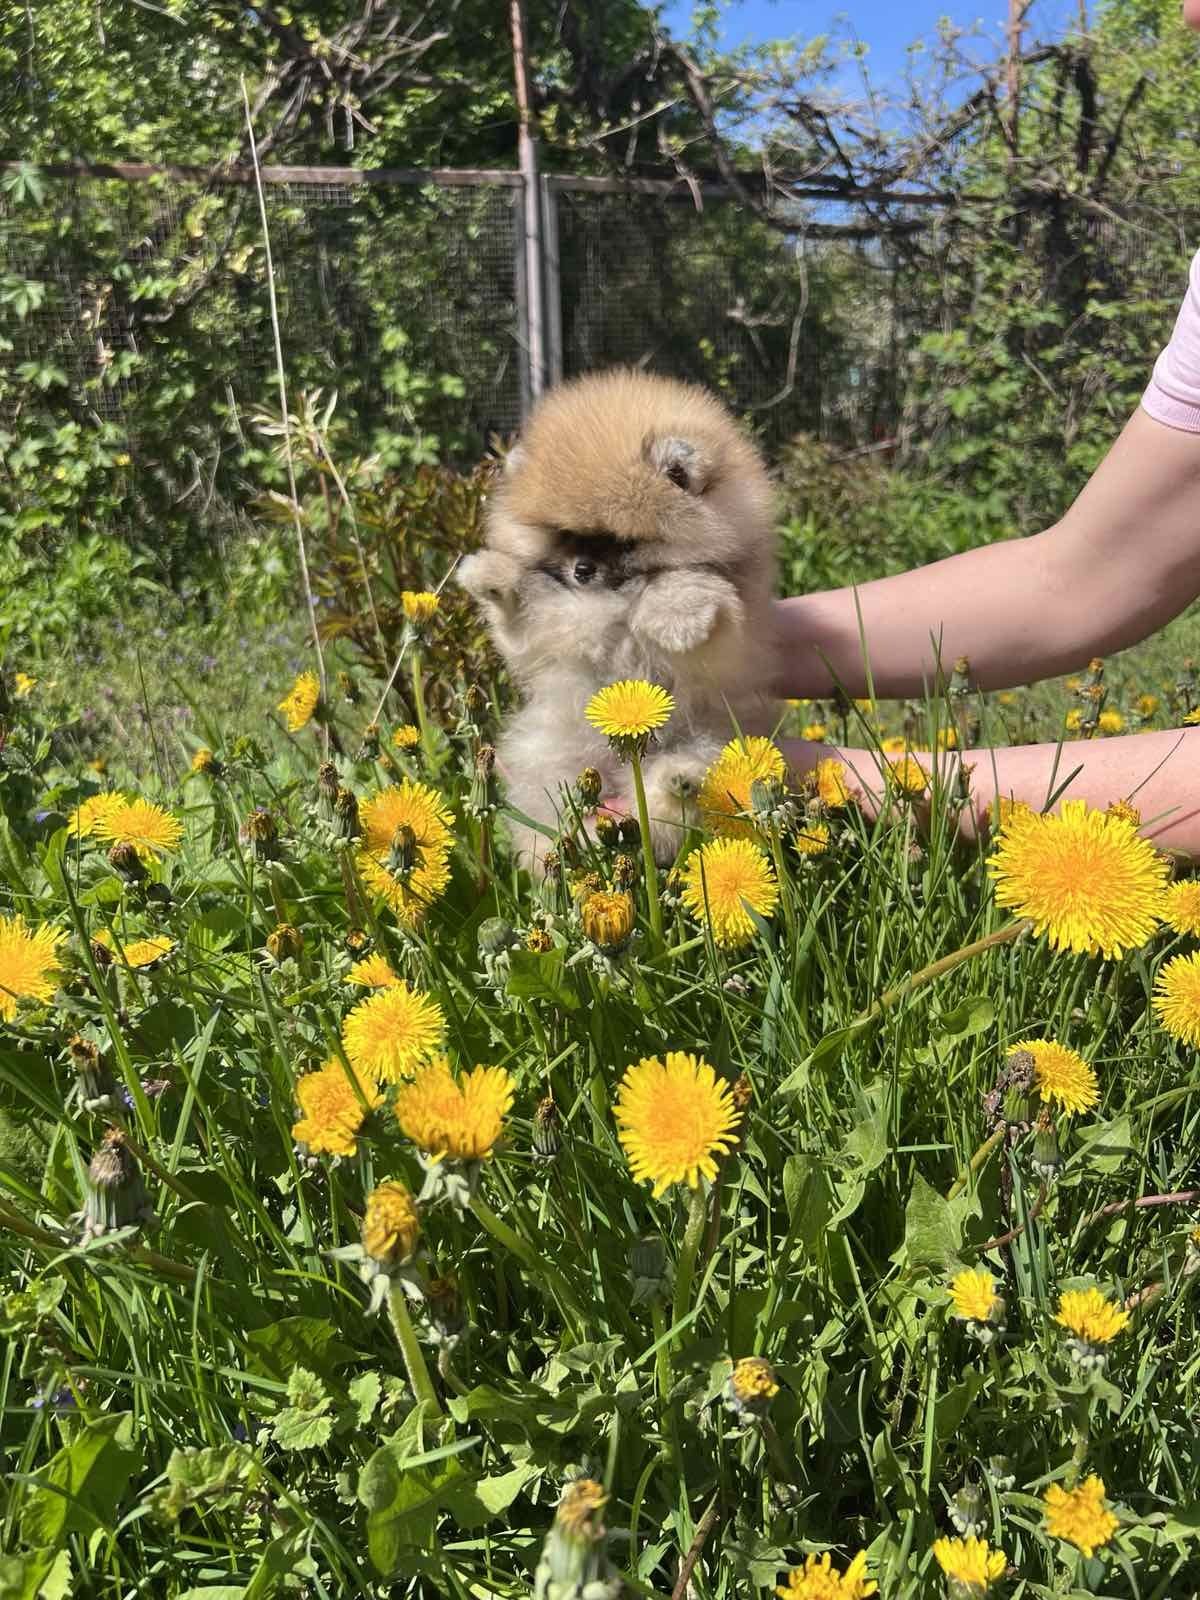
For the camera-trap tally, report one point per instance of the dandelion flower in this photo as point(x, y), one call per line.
point(461, 1120)
point(1177, 998)
point(27, 963)
point(973, 1293)
point(811, 838)
point(1062, 1077)
point(23, 685)
point(1086, 880)
point(947, 738)
point(331, 1111)
point(1079, 1515)
point(908, 775)
point(752, 1385)
point(407, 736)
point(894, 745)
point(205, 762)
point(1012, 814)
point(139, 952)
point(814, 731)
point(971, 1564)
point(1090, 1316)
point(391, 1032)
point(372, 973)
point(122, 820)
point(607, 919)
point(1147, 705)
point(1111, 721)
point(577, 1512)
point(300, 702)
point(406, 847)
point(818, 1580)
point(724, 881)
point(391, 1225)
point(675, 1118)
point(1181, 906)
point(420, 606)
point(86, 819)
point(627, 713)
point(829, 776)
point(1073, 721)
point(1193, 717)
point(726, 788)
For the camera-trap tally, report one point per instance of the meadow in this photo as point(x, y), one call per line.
point(817, 1216)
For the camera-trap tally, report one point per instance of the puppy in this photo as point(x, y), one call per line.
point(630, 537)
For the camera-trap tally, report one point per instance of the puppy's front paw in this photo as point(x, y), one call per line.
point(672, 786)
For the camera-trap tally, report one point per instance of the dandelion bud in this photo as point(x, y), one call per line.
point(443, 1301)
point(475, 702)
point(766, 798)
point(261, 832)
point(584, 883)
point(116, 1195)
point(391, 1226)
point(968, 1511)
point(552, 866)
point(589, 786)
point(206, 764)
point(248, 752)
point(358, 941)
point(402, 853)
point(96, 1085)
point(368, 749)
point(348, 689)
point(407, 736)
point(751, 1387)
point(648, 1268)
point(346, 823)
point(546, 1130)
point(999, 1469)
point(479, 800)
point(101, 954)
point(573, 1564)
point(285, 943)
point(608, 832)
point(539, 941)
point(495, 935)
point(327, 789)
point(124, 859)
point(607, 920)
point(624, 871)
point(960, 678)
point(1046, 1160)
point(420, 608)
point(630, 833)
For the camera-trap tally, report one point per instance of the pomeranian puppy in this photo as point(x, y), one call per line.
point(630, 536)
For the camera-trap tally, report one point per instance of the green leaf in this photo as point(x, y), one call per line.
point(276, 1350)
point(933, 1228)
point(83, 1482)
point(402, 1497)
point(482, 1500)
point(806, 1195)
point(538, 975)
point(1107, 1145)
point(39, 1575)
point(295, 1429)
point(211, 1479)
point(364, 1394)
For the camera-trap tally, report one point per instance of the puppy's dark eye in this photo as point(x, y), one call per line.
point(585, 571)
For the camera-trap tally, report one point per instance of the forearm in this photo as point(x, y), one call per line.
point(1124, 560)
point(1158, 772)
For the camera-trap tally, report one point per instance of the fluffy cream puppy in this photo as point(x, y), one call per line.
point(629, 537)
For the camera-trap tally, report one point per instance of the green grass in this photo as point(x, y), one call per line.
point(203, 1406)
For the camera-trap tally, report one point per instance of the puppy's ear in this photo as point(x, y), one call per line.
point(680, 610)
point(684, 462)
point(491, 577)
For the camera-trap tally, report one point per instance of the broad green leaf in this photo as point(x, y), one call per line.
point(84, 1482)
point(364, 1394)
point(538, 975)
point(279, 1348)
point(933, 1228)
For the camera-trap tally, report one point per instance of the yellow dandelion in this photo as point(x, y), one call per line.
point(1079, 1515)
point(1086, 880)
point(1177, 998)
point(818, 1579)
point(204, 761)
point(974, 1296)
point(970, 1563)
point(894, 745)
point(332, 1110)
point(724, 881)
point(607, 919)
point(85, 819)
point(1007, 698)
point(816, 731)
point(139, 952)
point(405, 852)
point(1193, 717)
point(1073, 721)
point(1090, 1316)
point(148, 828)
point(947, 739)
point(1147, 705)
point(1073, 685)
point(447, 1118)
point(420, 605)
point(753, 1382)
point(27, 963)
point(23, 684)
point(628, 712)
point(299, 704)
point(675, 1118)
point(726, 788)
point(373, 973)
point(829, 777)
point(391, 1032)
point(908, 775)
point(811, 838)
point(578, 1512)
point(391, 1225)
point(407, 736)
point(1125, 810)
point(1111, 721)
point(1011, 814)
point(1181, 906)
point(1063, 1078)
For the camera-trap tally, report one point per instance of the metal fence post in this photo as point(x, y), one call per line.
point(551, 282)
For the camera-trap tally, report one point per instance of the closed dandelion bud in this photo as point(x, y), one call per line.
point(624, 871)
point(348, 689)
point(607, 920)
point(589, 786)
point(327, 789)
point(630, 834)
point(443, 1302)
point(96, 1085)
point(368, 749)
point(475, 702)
point(547, 1140)
point(608, 832)
point(124, 859)
point(248, 752)
point(285, 943)
point(261, 832)
point(346, 824)
point(116, 1195)
point(960, 678)
point(485, 760)
point(1047, 1157)
point(539, 941)
point(1017, 1080)
point(968, 1511)
point(999, 1469)
point(391, 1226)
point(494, 936)
point(358, 941)
point(101, 954)
point(648, 1268)
point(479, 801)
point(552, 865)
point(584, 883)
point(573, 1564)
point(402, 853)
point(766, 799)
point(751, 1387)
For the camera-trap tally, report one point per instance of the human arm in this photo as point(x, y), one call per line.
point(1158, 772)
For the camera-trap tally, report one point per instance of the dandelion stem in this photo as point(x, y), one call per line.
point(936, 969)
point(977, 1160)
point(418, 691)
point(649, 865)
point(662, 1355)
point(406, 1337)
point(688, 1251)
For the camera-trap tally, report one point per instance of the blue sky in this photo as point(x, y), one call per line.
point(885, 26)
